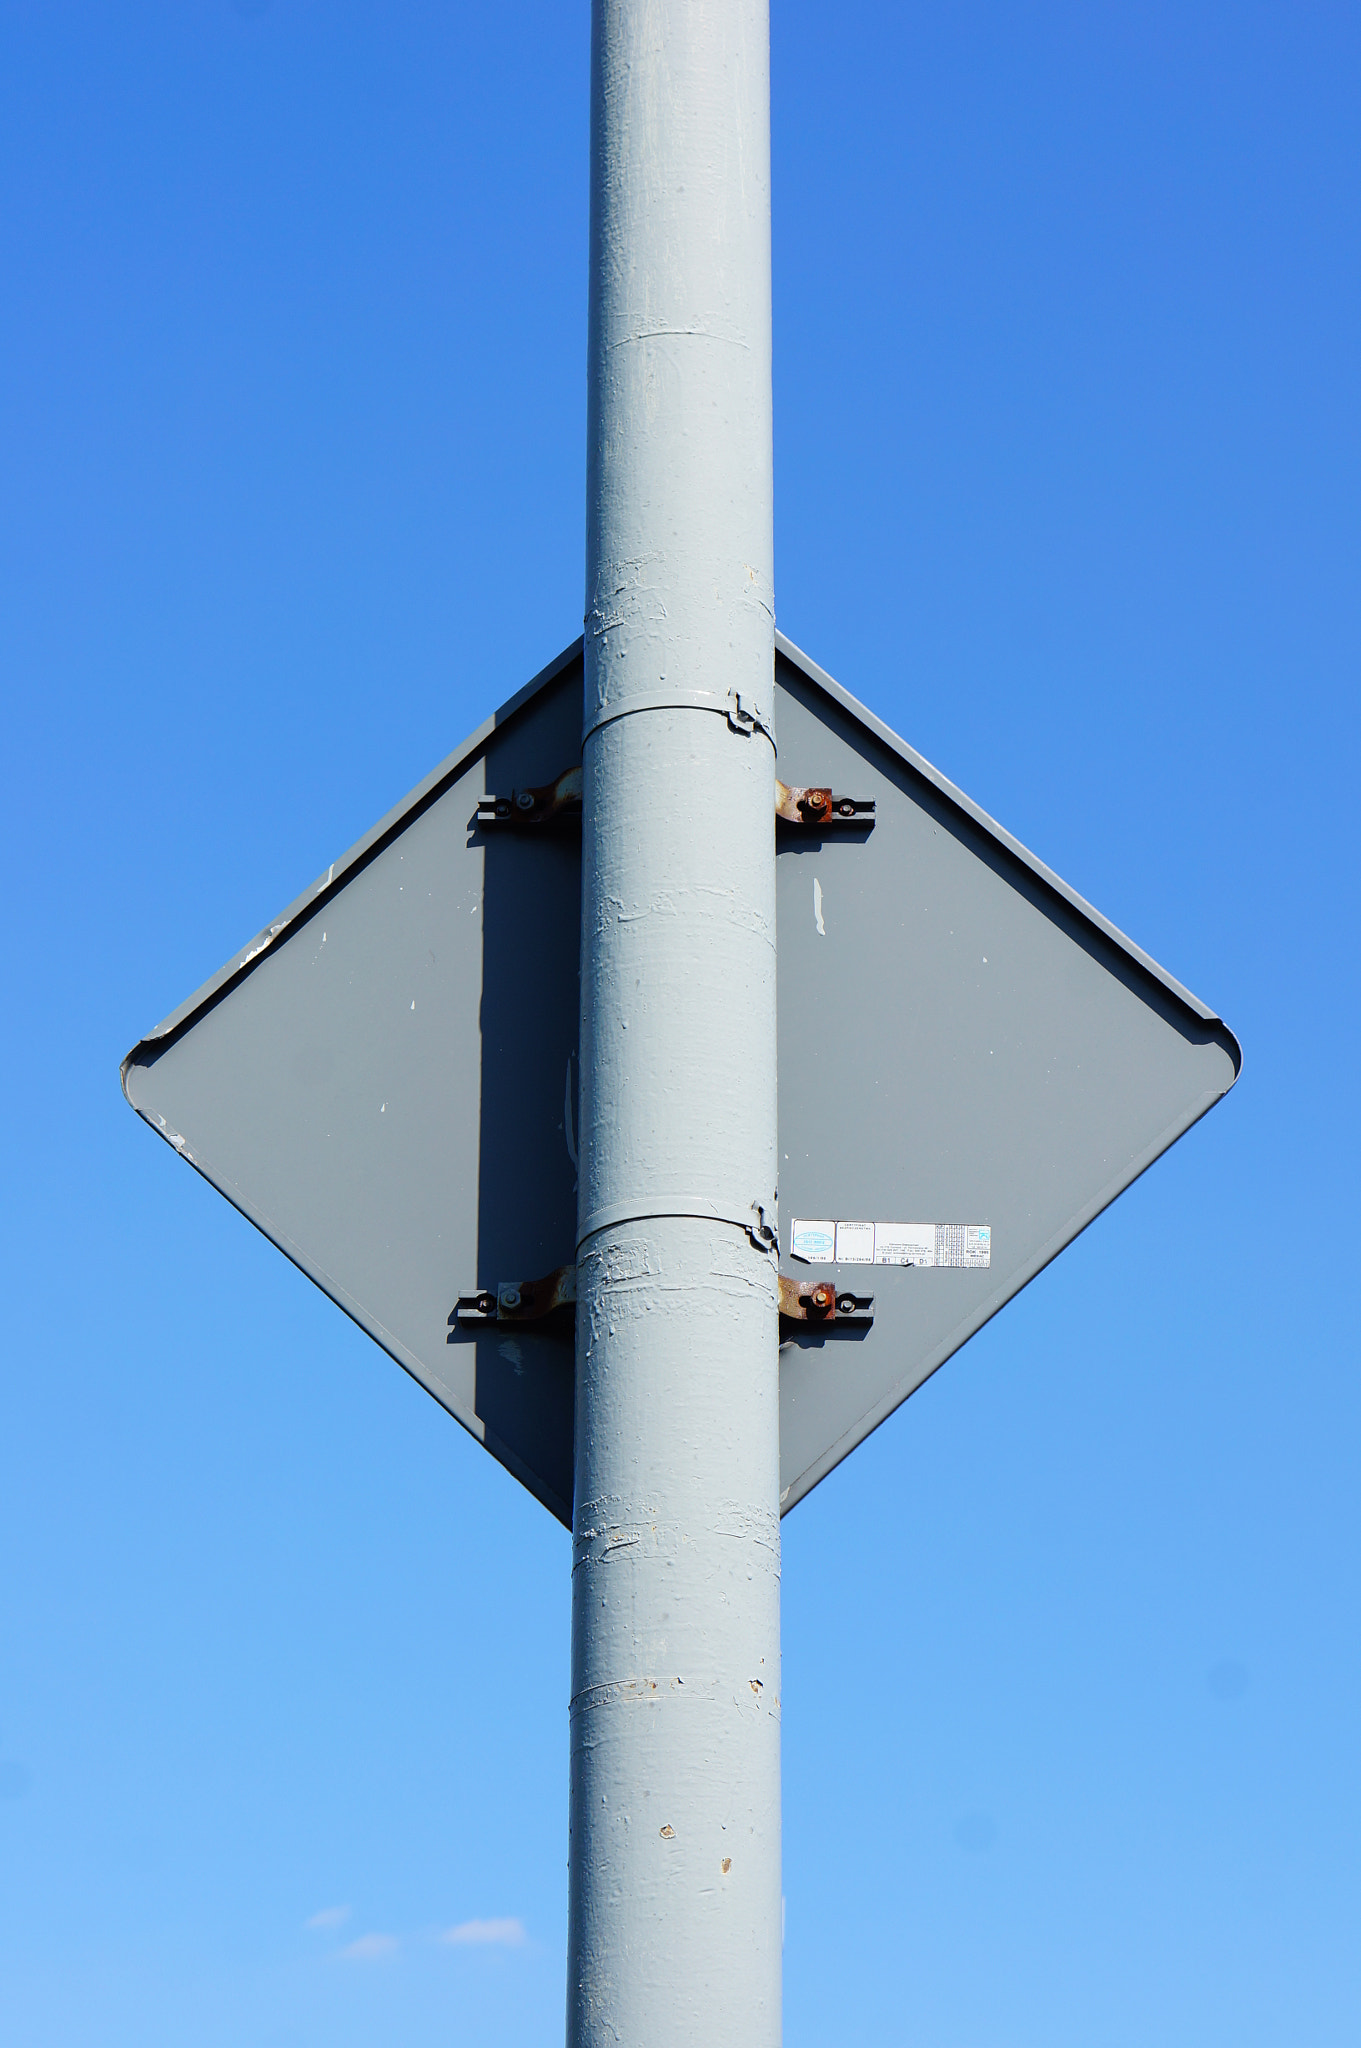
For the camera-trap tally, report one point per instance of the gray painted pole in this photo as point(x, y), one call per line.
point(674, 1918)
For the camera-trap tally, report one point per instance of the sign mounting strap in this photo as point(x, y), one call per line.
point(544, 1301)
point(548, 805)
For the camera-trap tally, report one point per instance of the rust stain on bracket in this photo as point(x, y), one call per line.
point(819, 1302)
point(557, 805)
point(553, 1300)
point(547, 805)
point(816, 805)
point(518, 1301)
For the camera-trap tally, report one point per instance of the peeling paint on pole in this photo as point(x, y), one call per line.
point(674, 1927)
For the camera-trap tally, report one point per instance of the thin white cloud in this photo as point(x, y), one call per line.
point(330, 1916)
point(370, 1948)
point(486, 1934)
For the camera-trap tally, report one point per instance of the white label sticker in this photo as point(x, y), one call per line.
point(892, 1244)
point(933, 1244)
point(815, 1242)
point(855, 1244)
point(905, 1244)
point(963, 1244)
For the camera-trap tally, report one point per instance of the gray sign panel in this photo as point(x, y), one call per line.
point(385, 1080)
point(963, 1042)
point(382, 1079)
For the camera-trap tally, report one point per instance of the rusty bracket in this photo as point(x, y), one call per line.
point(821, 806)
point(819, 1302)
point(517, 1301)
point(539, 1301)
point(550, 805)
point(547, 805)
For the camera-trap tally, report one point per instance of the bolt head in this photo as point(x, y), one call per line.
point(510, 1297)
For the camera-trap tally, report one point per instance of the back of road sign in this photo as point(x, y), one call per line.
point(385, 1080)
point(963, 1042)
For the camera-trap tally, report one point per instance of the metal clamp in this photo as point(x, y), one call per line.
point(516, 1301)
point(549, 804)
point(535, 1301)
point(558, 804)
point(820, 1302)
point(764, 1234)
point(795, 805)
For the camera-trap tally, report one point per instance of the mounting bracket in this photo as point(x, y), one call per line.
point(541, 1301)
point(557, 805)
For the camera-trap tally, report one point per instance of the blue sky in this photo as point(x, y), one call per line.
point(292, 340)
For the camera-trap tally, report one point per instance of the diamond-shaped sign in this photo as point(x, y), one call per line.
point(972, 1064)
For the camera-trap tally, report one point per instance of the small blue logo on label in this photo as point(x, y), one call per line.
point(813, 1240)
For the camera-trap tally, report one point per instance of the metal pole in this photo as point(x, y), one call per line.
point(675, 1914)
